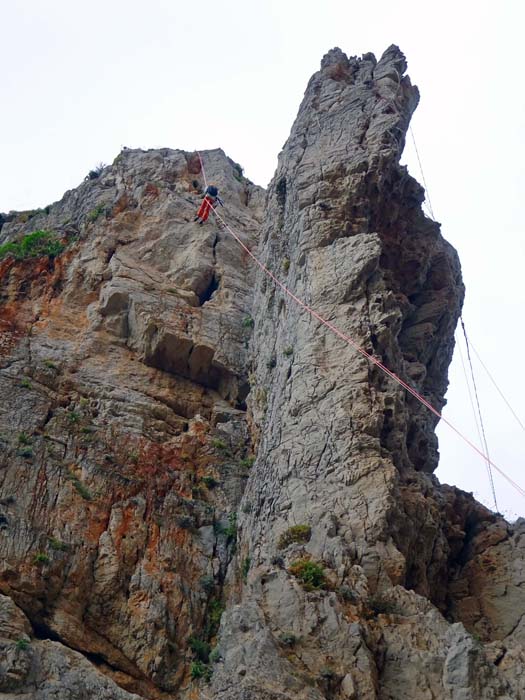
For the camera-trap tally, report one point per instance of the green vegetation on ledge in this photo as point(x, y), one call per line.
point(33, 245)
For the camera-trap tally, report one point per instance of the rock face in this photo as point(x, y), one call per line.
point(146, 366)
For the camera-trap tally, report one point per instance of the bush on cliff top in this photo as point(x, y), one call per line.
point(34, 245)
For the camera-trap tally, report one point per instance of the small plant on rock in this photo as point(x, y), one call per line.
point(238, 171)
point(261, 397)
point(248, 322)
point(219, 444)
point(310, 573)
point(41, 558)
point(22, 644)
point(296, 533)
point(215, 610)
point(96, 212)
point(96, 171)
point(79, 486)
point(57, 545)
point(287, 352)
point(200, 648)
point(231, 529)
point(24, 439)
point(207, 583)
point(209, 482)
point(247, 462)
point(200, 670)
point(25, 383)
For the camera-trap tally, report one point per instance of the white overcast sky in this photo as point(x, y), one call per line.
point(81, 80)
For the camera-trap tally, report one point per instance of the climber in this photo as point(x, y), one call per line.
point(211, 199)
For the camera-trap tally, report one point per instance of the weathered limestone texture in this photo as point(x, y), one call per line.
point(345, 457)
point(124, 377)
point(206, 494)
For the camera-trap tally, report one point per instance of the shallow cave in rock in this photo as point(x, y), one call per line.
point(210, 290)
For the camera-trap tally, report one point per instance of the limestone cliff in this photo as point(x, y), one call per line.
point(205, 493)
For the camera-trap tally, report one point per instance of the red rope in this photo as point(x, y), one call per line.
point(361, 350)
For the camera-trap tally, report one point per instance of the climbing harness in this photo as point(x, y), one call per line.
point(349, 341)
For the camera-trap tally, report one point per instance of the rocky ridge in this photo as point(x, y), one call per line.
point(203, 493)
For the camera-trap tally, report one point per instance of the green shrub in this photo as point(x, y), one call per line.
point(238, 171)
point(207, 583)
point(57, 545)
point(288, 351)
point(231, 529)
point(96, 212)
point(213, 620)
point(25, 383)
point(35, 245)
point(82, 490)
point(50, 364)
point(24, 439)
point(200, 670)
point(310, 573)
point(41, 558)
point(247, 462)
point(200, 648)
point(96, 171)
point(296, 533)
point(22, 644)
point(248, 322)
point(209, 482)
point(219, 444)
point(286, 264)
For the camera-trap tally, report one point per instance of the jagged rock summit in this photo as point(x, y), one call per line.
point(204, 493)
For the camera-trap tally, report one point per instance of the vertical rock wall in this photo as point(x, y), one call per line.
point(342, 524)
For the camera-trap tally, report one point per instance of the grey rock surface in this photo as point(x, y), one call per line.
point(31, 669)
point(142, 552)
